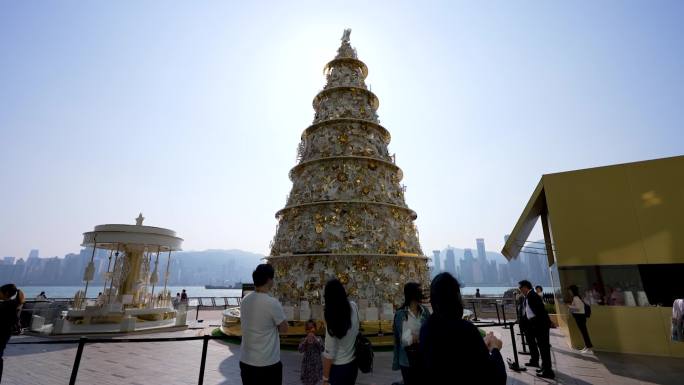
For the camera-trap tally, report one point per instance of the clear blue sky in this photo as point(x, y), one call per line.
point(191, 112)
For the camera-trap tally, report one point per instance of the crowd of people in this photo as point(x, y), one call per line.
point(180, 299)
point(429, 346)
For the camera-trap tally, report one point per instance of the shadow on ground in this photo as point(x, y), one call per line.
point(659, 370)
point(14, 349)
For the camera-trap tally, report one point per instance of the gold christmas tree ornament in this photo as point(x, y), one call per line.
point(346, 216)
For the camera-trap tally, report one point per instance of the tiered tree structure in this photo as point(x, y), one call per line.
point(346, 216)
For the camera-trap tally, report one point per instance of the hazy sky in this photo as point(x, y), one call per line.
point(191, 112)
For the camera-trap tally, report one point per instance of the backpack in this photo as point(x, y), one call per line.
point(587, 310)
point(364, 354)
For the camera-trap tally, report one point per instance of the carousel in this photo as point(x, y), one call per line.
point(132, 298)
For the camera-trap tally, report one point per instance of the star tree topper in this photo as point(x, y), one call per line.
point(345, 35)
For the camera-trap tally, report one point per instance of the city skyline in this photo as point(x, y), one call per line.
point(491, 268)
point(191, 115)
point(487, 268)
point(187, 267)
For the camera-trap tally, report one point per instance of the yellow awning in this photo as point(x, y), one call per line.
point(525, 224)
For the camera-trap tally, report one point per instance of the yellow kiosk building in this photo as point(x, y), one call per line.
point(617, 232)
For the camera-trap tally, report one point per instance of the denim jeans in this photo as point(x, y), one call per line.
point(343, 374)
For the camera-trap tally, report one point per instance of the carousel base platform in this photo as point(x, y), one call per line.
point(378, 332)
point(46, 332)
point(101, 320)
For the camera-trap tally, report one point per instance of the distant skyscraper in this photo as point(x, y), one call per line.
point(450, 261)
point(492, 272)
point(468, 267)
point(436, 262)
point(33, 253)
point(481, 253)
point(481, 265)
point(504, 275)
point(8, 260)
point(536, 265)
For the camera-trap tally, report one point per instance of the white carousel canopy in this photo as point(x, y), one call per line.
point(114, 236)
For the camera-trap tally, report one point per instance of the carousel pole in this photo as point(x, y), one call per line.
point(154, 277)
point(89, 273)
point(111, 281)
point(166, 275)
point(148, 257)
point(109, 264)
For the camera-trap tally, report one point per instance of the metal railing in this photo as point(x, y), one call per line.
point(84, 340)
point(53, 308)
point(192, 302)
point(492, 304)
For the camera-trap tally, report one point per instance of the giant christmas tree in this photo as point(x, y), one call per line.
point(346, 216)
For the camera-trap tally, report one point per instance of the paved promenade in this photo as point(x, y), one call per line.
point(171, 363)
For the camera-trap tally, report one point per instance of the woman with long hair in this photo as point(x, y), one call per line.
point(452, 348)
point(577, 309)
point(407, 323)
point(342, 326)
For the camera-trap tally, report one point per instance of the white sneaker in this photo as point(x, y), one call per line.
point(586, 350)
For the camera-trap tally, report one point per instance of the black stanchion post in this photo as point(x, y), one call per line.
point(498, 318)
point(77, 360)
point(474, 311)
point(503, 314)
point(205, 344)
point(515, 365)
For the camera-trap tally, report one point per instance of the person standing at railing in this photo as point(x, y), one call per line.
point(10, 305)
point(261, 319)
point(184, 297)
point(537, 323)
point(578, 310)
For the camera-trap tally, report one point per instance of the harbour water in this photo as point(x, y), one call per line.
point(195, 291)
point(69, 291)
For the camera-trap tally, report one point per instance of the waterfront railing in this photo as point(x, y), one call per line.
point(54, 308)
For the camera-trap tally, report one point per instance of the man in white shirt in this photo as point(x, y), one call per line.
point(261, 319)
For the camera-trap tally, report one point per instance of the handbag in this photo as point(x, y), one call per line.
point(587, 310)
point(364, 353)
point(413, 355)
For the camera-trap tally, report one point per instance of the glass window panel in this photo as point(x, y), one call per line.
point(624, 285)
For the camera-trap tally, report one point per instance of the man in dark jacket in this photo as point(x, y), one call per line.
point(10, 300)
point(537, 323)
